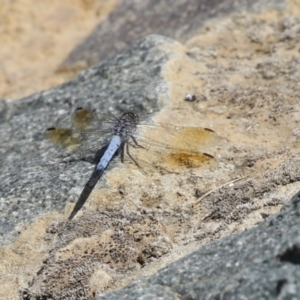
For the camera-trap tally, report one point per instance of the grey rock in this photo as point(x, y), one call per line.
point(132, 20)
point(33, 179)
point(261, 263)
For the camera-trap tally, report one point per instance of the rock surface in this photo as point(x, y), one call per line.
point(260, 263)
point(132, 20)
point(244, 71)
point(124, 80)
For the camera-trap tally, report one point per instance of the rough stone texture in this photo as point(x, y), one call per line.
point(129, 80)
point(132, 20)
point(260, 263)
point(100, 246)
point(244, 72)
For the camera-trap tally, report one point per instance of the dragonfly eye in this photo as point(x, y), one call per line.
point(135, 118)
point(131, 116)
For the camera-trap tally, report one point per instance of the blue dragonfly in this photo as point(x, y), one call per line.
point(144, 145)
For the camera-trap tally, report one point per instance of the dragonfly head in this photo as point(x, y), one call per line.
point(126, 124)
point(131, 117)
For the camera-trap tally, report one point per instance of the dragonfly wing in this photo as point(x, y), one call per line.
point(151, 155)
point(88, 133)
point(65, 137)
point(177, 137)
point(89, 122)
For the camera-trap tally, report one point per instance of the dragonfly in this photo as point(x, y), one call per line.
point(160, 146)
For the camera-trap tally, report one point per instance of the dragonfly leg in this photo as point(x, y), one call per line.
point(121, 149)
point(130, 156)
point(135, 142)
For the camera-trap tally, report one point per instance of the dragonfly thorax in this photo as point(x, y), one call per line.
point(126, 124)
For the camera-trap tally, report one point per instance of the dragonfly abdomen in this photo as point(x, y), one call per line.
point(113, 146)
